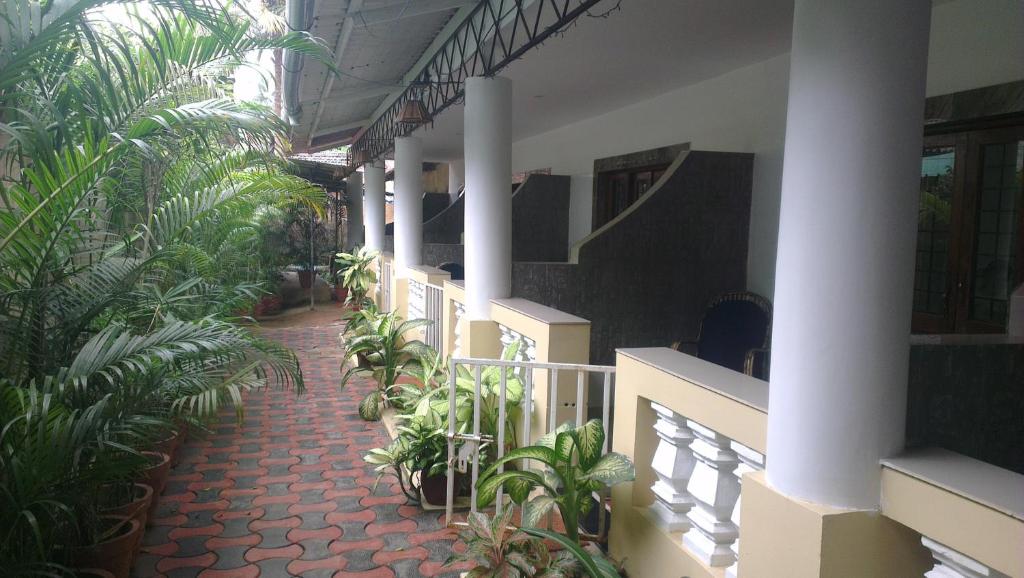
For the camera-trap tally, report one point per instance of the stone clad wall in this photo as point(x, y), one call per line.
point(644, 280)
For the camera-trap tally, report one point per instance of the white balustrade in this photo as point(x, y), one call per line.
point(527, 351)
point(715, 490)
point(952, 564)
point(460, 312)
point(417, 300)
point(750, 461)
point(673, 463)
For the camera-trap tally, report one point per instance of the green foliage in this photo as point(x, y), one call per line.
point(133, 190)
point(383, 345)
point(574, 469)
point(594, 567)
point(357, 273)
point(421, 448)
point(500, 551)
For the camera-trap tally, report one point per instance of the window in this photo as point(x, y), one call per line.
point(617, 190)
point(969, 238)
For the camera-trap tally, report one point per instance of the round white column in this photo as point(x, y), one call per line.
point(488, 157)
point(354, 190)
point(456, 178)
point(408, 202)
point(374, 205)
point(847, 235)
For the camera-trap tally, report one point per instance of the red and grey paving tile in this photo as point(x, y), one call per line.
point(286, 492)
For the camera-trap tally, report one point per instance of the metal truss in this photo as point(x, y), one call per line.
point(496, 33)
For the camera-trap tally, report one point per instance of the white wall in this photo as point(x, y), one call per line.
point(742, 111)
point(974, 43)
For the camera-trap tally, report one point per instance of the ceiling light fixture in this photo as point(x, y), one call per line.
point(414, 111)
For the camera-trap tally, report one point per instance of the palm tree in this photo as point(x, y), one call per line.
point(131, 189)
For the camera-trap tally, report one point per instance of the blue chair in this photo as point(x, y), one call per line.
point(735, 332)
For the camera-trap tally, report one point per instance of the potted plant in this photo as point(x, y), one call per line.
point(112, 546)
point(418, 458)
point(306, 242)
point(386, 351)
point(357, 274)
point(495, 549)
point(574, 469)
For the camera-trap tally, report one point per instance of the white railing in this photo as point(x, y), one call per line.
point(460, 312)
point(417, 300)
point(698, 488)
point(433, 309)
point(468, 456)
point(385, 286)
point(527, 350)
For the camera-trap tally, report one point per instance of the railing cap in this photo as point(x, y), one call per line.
point(975, 480)
point(742, 388)
point(542, 313)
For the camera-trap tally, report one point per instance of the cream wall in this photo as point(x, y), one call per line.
point(974, 43)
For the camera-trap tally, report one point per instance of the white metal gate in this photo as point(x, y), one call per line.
point(434, 311)
point(385, 286)
point(473, 441)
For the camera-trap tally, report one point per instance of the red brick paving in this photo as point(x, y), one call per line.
point(286, 494)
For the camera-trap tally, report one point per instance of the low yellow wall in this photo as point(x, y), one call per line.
point(560, 338)
point(687, 386)
point(990, 536)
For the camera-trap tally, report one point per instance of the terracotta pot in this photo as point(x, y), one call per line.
point(137, 508)
point(113, 554)
point(155, 476)
point(169, 444)
point(306, 279)
point(271, 305)
point(340, 293)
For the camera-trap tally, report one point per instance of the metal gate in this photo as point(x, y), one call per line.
point(473, 442)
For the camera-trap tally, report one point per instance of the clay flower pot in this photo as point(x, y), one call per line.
point(93, 573)
point(155, 476)
point(137, 508)
point(340, 293)
point(435, 488)
point(114, 553)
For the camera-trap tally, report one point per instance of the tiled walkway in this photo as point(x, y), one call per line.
point(287, 493)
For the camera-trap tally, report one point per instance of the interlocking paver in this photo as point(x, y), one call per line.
point(286, 493)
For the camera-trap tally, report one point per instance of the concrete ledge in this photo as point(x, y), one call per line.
point(970, 506)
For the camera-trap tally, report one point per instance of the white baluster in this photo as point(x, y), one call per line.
point(952, 564)
point(460, 311)
point(750, 461)
point(715, 490)
point(673, 463)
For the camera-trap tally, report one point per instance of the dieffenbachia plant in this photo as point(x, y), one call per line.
point(574, 469)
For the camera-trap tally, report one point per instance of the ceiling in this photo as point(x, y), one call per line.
point(643, 49)
point(647, 48)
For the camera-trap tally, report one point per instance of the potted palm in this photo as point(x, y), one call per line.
point(306, 242)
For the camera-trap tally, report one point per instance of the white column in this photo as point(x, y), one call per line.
point(354, 192)
point(673, 463)
point(847, 234)
point(408, 203)
point(715, 490)
point(488, 150)
point(456, 178)
point(374, 206)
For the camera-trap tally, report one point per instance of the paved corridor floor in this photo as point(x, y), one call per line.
point(286, 493)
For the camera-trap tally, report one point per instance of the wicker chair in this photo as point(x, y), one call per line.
point(735, 332)
point(458, 273)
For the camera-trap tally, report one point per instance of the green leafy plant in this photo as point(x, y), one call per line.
point(592, 566)
point(435, 397)
point(133, 191)
point(574, 469)
point(498, 551)
point(357, 274)
point(386, 351)
point(419, 449)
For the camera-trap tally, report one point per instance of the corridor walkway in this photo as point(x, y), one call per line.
point(287, 493)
